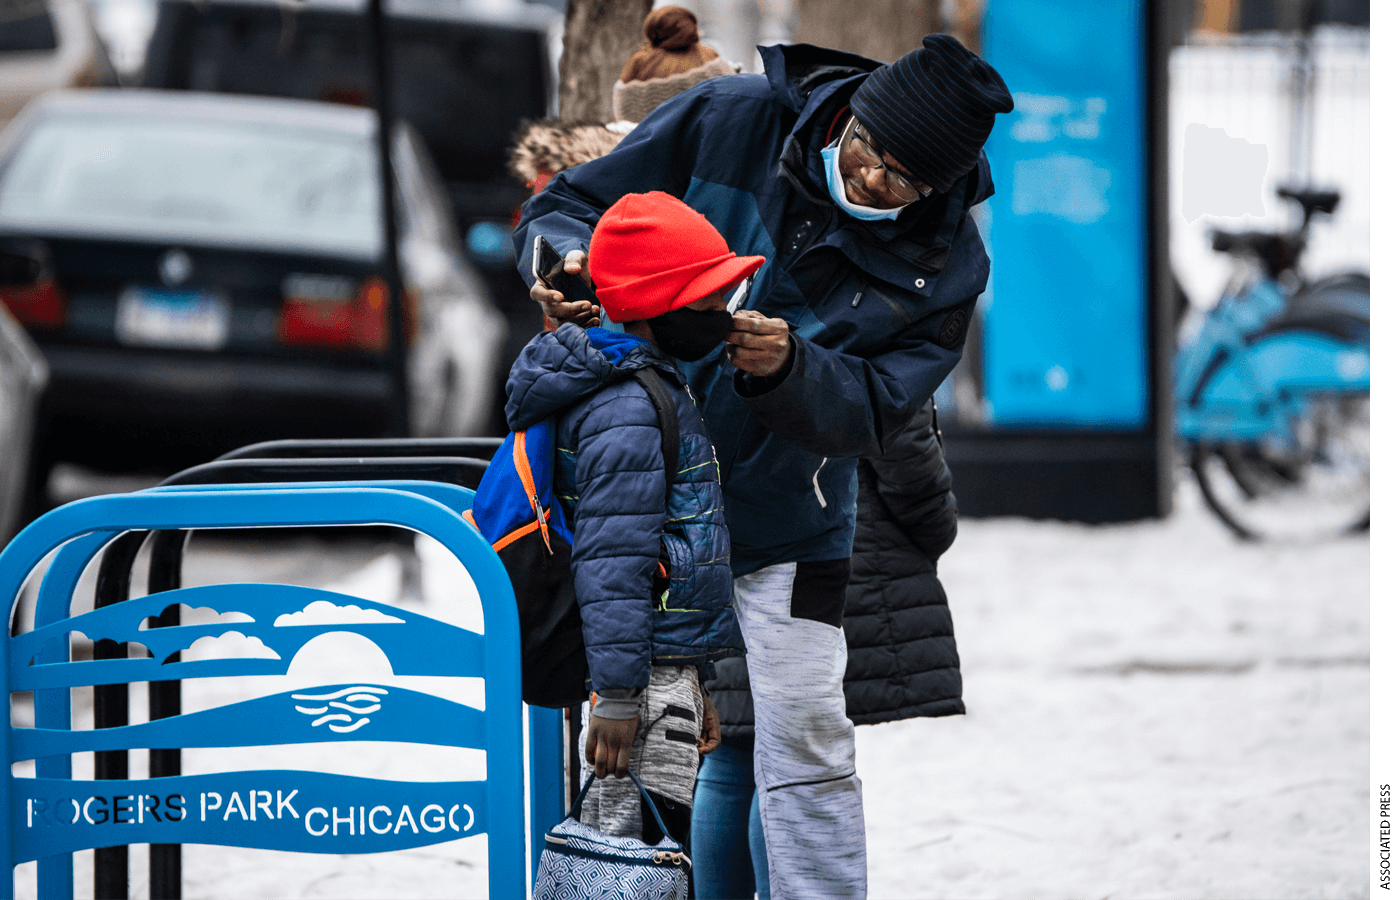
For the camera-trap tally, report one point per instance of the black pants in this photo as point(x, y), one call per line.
point(677, 819)
point(675, 815)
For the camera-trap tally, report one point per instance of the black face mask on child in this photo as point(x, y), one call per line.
point(690, 334)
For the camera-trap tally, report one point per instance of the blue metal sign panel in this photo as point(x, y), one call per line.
point(1066, 315)
point(259, 629)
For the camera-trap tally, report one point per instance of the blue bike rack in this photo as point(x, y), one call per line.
point(53, 815)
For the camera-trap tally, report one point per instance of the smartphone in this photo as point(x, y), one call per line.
point(740, 296)
point(549, 268)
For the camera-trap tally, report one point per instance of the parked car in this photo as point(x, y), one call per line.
point(47, 44)
point(22, 378)
point(464, 74)
point(206, 272)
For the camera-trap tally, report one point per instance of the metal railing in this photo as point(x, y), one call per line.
point(459, 462)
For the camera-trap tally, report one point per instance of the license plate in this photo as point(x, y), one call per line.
point(195, 320)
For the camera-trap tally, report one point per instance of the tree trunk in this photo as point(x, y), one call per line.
point(967, 24)
point(883, 30)
point(599, 37)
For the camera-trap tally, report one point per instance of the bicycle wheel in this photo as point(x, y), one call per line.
point(1315, 485)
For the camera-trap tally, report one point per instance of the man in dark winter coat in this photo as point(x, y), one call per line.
point(903, 660)
point(855, 180)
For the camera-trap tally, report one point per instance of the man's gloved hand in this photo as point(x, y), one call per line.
point(584, 315)
point(609, 746)
point(709, 728)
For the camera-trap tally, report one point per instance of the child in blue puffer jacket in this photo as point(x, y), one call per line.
point(651, 566)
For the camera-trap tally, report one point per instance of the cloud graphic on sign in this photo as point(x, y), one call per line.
point(324, 612)
point(342, 706)
point(204, 615)
point(229, 645)
point(81, 648)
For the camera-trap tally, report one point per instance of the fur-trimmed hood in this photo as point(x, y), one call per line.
point(548, 145)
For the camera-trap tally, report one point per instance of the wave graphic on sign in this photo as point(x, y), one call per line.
point(359, 701)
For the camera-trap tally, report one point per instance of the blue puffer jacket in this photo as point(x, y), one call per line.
point(610, 477)
point(880, 310)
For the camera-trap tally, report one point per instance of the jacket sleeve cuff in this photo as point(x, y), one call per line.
point(623, 704)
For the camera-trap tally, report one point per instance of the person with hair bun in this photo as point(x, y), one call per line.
point(671, 60)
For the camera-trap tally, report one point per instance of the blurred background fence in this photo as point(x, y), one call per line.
point(1237, 65)
point(1305, 98)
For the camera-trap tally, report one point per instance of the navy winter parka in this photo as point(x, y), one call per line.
point(879, 310)
point(611, 480)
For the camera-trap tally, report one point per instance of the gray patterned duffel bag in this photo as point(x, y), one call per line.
point(582, 863)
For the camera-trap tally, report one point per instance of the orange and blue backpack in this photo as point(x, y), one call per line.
point(517, 510)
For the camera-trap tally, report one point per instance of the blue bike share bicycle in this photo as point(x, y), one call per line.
point(1273, 389)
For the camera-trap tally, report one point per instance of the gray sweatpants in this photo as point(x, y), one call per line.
point(665, 758)
point(804, 745)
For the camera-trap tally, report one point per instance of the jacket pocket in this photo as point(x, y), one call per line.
point(676, 555)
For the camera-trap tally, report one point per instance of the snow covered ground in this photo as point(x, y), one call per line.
point(1154, 710)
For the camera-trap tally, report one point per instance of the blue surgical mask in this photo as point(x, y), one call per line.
point(836, 186)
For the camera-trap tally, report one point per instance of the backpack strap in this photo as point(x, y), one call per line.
point(669, 418)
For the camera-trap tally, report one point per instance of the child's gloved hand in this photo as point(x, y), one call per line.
point(609, 746)
point(709, 728)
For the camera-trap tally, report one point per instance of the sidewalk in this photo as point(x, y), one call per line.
point(1154, 710)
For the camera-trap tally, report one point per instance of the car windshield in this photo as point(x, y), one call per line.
point(207, 180)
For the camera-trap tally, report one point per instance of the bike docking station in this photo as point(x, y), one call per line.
point(1273, 389)
point(413, 485)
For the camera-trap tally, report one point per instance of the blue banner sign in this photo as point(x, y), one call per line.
point(1065, 330)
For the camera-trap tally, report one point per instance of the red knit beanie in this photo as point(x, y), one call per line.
point(651, 254)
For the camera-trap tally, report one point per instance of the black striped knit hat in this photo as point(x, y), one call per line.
point(932, 109)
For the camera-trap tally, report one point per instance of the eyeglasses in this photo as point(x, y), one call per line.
point(864, 149)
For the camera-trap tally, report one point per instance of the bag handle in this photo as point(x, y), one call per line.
point(646, 798)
